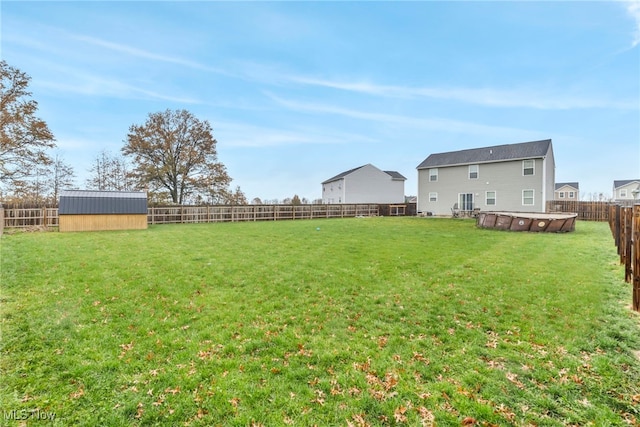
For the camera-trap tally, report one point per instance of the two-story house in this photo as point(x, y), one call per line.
point(567, 191)
point(626, 191)
point(364, 184)
point(513, 177)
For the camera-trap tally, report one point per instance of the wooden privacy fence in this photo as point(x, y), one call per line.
point(625, 227)
point(48, 217)
point(587, 211)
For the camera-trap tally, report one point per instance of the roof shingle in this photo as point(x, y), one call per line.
point(496, 153)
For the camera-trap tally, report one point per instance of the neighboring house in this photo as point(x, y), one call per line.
point(626, 190)
point(364, 184)
point(82, 210)
point(567, 191)
point(514, 177)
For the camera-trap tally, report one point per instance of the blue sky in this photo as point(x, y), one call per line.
point(297, 92)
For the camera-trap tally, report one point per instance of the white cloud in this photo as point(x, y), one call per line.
point(633, 9)
point(420, 123)
point(235, 134)
point(525, 98)
point(141, 53)
point(70, 80)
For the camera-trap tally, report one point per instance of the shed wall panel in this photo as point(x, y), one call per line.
point(102, 222)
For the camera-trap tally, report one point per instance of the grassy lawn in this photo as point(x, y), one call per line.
point(369, 321)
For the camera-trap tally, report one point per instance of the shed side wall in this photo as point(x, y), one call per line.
point(102, 222)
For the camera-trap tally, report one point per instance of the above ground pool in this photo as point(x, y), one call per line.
point(558, 222)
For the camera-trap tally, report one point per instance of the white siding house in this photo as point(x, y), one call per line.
point(626, 191)
point(567, 191)
point(364, 184)
point(513, 177)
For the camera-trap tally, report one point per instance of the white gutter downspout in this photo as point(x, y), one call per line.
point(544, 185)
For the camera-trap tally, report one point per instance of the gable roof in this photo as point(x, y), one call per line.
point(575, 185)
point(496, 153)
point(394, 175)
point(623, 182)
point(343, 174)
point(83, 202)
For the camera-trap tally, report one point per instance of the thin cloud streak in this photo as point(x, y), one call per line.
point(243, 135)
point(437, 124)
point(485, 97)
point(91, 86)
point(140, 53)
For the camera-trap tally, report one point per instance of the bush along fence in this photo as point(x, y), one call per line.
point(625, 227)
point(47, 218)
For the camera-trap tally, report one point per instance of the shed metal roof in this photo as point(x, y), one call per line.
point(83, 202)
point(496, 153)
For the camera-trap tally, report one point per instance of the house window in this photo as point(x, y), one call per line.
point(490, 198)
point(528, 167)
point(572, 195)
point(433, 197)
point(433, 174)
point(562, 194)
point(623, 193)
point(324, 188)
point(473, 171)
point(527, 197)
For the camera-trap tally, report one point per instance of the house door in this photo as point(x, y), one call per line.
point(466, 201)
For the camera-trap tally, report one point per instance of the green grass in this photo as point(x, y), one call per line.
point(371, 321)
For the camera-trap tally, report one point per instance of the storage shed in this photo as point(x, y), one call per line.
point(81, 210)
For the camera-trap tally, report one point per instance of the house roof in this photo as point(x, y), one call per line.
point(623, 182)
point(394, 175)
point(496, 153)
point(79, 202)
point(575, 185)
point(343, 174)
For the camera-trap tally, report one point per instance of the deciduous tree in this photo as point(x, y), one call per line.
point(109, 172)
point(176, 152)
point(62, 177)
point(24, 138)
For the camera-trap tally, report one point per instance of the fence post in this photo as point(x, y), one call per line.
point(1, 220)
point(635, 254)
point(628, 244)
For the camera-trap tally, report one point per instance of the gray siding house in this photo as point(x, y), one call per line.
point(364, 184)
point(513, 177)
point(567, 191)
point(626, 191)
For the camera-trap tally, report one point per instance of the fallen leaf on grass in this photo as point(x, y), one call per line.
point(77, 394)
point(234, 402)
point(399, 414)
point(358, 421)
